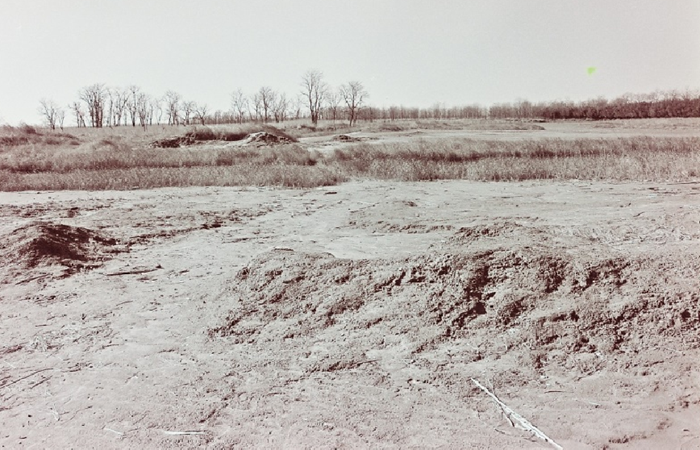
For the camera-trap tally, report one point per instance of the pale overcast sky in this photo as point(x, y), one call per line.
point(406, 52)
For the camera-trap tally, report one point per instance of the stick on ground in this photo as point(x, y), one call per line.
point(515, 417)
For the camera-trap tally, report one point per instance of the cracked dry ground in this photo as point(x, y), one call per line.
point(355, 316)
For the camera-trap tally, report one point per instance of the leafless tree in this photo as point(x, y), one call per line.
point(132, 94)
point(60, 117)
point(354, 95)
point(171, 100)
point(109, 106)
point(258, 106)
point(143, 108)
point(297, 106)
point(94, 97)
point(187, 108)
point(77, 109)
point(49, 111)
point(239, 105)
point(279, 108)
point(333, 101)
point(200, 110)
point(155, 111)
point(267, 99)
point(118, 99)
point(314, 90)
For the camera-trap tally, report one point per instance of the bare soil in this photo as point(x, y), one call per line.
point(353, 316)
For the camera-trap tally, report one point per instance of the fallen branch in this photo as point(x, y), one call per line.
point(132, 272)
point(513, 416)
point(183, 433)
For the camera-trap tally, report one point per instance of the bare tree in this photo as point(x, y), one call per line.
point(77, 109)
point(171, 100)
point(257, 106)
point(354, 95)
point(200, 110)
point(297, 106)
point(279, 108)
point(118, 102)
point(333, 100)
point(61, 117)
point(94, 97)
point(109, 103)
point(132, 94)
point(267, 99)
point(49, 111)
point(155, 111)
point(143, 108)
point(187, 109)
point(314, 90)
point(239, 105)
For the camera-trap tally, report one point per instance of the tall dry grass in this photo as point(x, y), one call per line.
point(621, 159)
point(118, 162)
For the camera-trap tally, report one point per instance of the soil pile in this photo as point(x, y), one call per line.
point(552, 312)
point(265, 138)
point(174, 142)
point(346, 138)
point(45, 245)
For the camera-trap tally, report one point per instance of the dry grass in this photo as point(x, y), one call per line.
point(124, 159)
point(622, 159)
point(328, 127)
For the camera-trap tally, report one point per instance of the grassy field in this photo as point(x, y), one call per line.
point(124, 158)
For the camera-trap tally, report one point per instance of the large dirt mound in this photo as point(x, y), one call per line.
point(45, 245)
point(551, 311)
point(265, 138)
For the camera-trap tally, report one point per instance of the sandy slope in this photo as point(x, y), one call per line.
point(352, 317)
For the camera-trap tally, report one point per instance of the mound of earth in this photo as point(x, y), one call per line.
point(265, 138)
point(550, 311)
point(522, 319)
point(174, 142)
point(346, 138)
point(48, 245)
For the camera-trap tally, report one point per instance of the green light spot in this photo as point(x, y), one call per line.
point(591, 70)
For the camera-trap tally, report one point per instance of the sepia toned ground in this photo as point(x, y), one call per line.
point(354, 316)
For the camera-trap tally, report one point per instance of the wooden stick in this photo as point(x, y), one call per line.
point(183, 433)
point(513, 416)
point(131, 272)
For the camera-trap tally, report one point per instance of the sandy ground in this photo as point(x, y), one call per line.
point(354, 316)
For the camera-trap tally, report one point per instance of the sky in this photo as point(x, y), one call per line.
point(405, 52)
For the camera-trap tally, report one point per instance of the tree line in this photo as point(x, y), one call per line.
point(101, 106)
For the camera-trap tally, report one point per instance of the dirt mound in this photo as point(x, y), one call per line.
point(43, 245)
point(175, 142)
point(346, 138)
point(550, 311)
point(494, 229)
point(265, 138)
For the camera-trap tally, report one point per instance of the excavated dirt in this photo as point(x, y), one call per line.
point(360, 316)
point(47, 246)
point(265, 138)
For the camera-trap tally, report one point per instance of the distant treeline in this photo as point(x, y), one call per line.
point(628, 106)
point(99, 106)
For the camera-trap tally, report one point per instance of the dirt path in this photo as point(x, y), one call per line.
point(353, 317)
